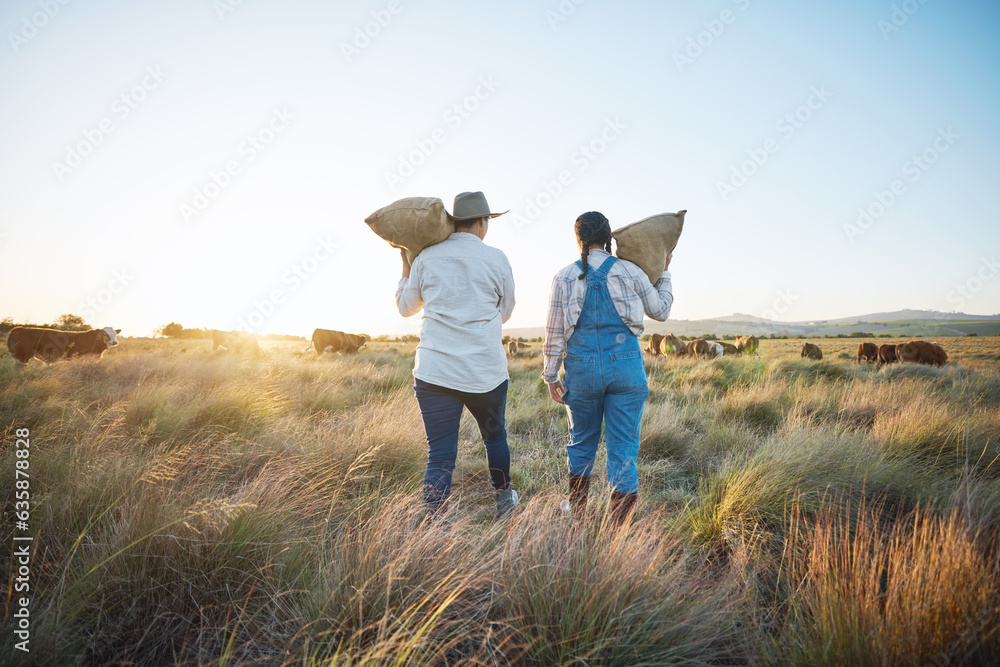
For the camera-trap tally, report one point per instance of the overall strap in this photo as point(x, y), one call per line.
point(603, 269)
point(599, 277)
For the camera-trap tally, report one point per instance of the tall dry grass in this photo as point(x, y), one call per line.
point(192, 507)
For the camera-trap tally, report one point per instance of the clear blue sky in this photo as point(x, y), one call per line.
point(233, 150)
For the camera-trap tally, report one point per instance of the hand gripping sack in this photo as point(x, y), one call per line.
point(412, 223)
point(648, 242)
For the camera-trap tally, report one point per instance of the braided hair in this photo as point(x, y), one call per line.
point(591, 227)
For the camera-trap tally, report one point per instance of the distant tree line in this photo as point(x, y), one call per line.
point(65, 322)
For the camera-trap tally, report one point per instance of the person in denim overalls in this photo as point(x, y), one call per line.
point(605, 378)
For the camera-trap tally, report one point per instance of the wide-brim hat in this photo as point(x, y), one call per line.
point(471, 206)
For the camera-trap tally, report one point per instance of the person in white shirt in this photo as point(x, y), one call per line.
point(466, 290)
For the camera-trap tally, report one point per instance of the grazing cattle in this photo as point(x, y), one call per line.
point(234, 341)
point(50, 345)
point(671, 344)
point(886, 354)
point(729, 350)
point(868, 352)
point(328, 340)
point(811, 351)
point(921, 352)
point(703, 348)
point(514, 347)
point(654, 344)
point(747, 344)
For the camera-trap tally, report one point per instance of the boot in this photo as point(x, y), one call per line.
point(579, 487)
point(622, 506)
point(506, 500)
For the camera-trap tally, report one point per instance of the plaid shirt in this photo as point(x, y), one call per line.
point(630, 292)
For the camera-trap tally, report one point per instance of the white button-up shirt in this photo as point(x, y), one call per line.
point(630, 293)
point(466, 289)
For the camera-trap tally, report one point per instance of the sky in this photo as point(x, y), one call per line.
point(211, 162)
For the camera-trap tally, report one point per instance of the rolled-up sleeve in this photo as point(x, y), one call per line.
point(408, 298)
point(555, 332)
point(656, 301)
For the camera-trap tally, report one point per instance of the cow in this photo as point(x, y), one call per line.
point(654, 344)
point(729, 350)
point(868, 352)
point(811, 351)
point(234, 341)
point(671, 344)
point(921, 352)
point(329, 340)
point(514, 347)
point(50, 345)
point(704, 348)
point(886, 354)
point(748, 345)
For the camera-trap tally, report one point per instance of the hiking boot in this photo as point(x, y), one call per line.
point(506, 500)
point(622, 507)
point(579, 488)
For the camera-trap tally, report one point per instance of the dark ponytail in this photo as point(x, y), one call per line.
point(591, 228)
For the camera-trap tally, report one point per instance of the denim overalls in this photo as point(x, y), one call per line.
point(605, 378)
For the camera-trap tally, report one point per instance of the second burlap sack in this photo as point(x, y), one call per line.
point(412, 223)
point(648, 242)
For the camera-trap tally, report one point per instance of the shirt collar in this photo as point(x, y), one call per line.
point(464, 236)
point(599, 252)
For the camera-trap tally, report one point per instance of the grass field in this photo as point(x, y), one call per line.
point(198, 508)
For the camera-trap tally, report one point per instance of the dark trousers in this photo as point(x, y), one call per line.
point(441, 409)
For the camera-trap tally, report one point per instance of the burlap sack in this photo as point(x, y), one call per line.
point(648, 242)
point(412, 223)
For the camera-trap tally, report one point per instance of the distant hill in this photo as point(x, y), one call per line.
point(909, 314)
point(900, 323)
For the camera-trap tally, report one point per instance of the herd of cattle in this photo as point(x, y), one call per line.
point(50, 345)
point(920, 351)
point(701, 348)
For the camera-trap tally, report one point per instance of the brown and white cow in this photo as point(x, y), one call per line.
point(672, 345)
point(50, 345)
point(234, 341)
point(729, 350)
point(921, 352)
point(747, 345)
point(330, 340)
point(654, 344)
point(705, 349)
point(811, 351)
point(868, 352)
point(886, 354)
